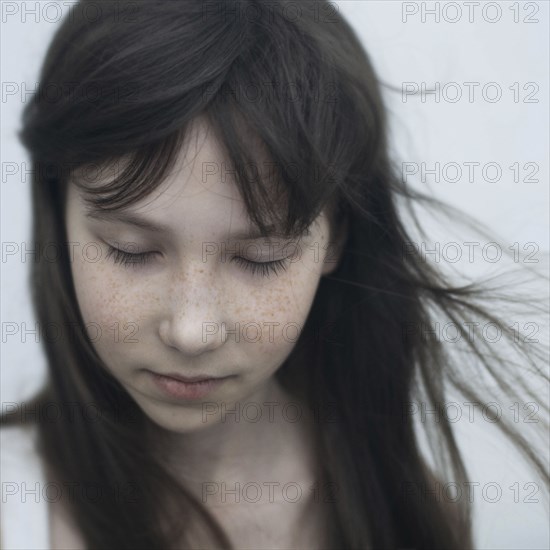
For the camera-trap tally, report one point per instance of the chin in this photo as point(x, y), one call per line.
point(177, 419)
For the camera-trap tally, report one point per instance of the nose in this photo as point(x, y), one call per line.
point(193, 321)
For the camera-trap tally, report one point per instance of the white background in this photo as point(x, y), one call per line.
point(405, 44)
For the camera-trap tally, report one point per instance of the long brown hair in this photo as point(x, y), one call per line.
point(132, 81)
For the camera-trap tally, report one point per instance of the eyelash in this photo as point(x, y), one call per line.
point(275, 267)
point(126, 259)
point(135, 260)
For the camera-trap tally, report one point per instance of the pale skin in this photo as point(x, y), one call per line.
point(179, 301)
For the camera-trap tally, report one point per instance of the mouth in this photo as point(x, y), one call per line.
point(190, 379)
point(187, 387)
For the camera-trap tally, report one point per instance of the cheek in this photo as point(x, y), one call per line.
point(110, 310)
point(97, 293)
point(272, 317)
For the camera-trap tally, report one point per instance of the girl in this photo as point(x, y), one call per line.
point(240, 310)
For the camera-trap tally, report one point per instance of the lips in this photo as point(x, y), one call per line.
point(189, 379)
point(176, 386)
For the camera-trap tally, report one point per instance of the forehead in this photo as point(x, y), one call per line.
point(202, 163)
point(201, 169)
point(200, 190)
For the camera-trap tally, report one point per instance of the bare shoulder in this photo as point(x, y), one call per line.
point(18, 454)
point(18, 465)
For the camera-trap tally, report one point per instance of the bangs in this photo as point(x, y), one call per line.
point(275, 189)
point(117, 184)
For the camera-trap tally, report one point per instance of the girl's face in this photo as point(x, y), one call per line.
point(204, 301)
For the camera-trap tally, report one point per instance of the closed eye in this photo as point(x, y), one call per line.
point(135, 260)
point(128, 259)
point(262, 268)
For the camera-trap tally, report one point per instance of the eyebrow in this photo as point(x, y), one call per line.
point(128, 219)
point(158, 228)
